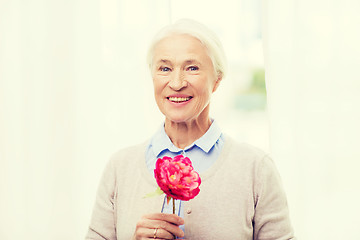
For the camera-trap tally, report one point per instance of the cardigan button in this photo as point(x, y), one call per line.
point(188, 211)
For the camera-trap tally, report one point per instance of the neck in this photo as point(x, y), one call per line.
point(183, 134)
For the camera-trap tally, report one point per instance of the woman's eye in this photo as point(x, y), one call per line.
point(165, 69)
point(193, 68)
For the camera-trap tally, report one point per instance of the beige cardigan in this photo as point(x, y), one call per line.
point(241, 197)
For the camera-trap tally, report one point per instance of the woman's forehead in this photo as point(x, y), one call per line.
point(184, 47)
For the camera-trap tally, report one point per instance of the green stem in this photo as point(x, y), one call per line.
point(173, 200)
point(173, 205)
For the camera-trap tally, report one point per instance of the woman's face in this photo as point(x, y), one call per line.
point(184, 78)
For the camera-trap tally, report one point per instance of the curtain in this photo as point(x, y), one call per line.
point(312, 59)
point(74, 88)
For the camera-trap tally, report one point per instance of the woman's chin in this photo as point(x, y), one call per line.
point(185, 116)
point(177, 118)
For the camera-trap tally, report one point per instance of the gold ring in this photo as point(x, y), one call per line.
point(155, 231)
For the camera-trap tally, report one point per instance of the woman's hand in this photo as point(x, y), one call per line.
point(159, 226)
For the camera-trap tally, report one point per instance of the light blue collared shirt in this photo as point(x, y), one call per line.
point(203, 153)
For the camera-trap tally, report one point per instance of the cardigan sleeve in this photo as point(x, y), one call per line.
point(271, 220)
point(103, 221)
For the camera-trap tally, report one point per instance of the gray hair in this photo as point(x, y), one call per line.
point(199, 31)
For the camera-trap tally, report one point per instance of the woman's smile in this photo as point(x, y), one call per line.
point(179, 99)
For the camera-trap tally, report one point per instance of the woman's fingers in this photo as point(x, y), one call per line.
point(167, 226)
point(171, 218)
point(163, 228)
point(162, 234)
point(168, 222)
point(146, 233)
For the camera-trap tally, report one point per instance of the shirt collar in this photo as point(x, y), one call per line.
point(161, 140)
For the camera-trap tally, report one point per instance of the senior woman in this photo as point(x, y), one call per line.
point(240, 195)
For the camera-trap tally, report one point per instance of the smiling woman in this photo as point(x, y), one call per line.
point(184, 79)
point(187, 64)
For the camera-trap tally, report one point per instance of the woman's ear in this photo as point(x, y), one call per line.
point(217, 83)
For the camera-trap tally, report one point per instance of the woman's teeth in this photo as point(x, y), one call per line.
point(179, 99)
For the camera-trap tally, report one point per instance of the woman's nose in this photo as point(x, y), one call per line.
point(177, 81)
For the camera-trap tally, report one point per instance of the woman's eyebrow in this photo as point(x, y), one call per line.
point(186, 62)
point(192, 61)
point(164, 61)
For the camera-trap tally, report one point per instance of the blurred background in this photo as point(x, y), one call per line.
point(75, 88)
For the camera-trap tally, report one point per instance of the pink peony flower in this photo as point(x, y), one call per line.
point(176, 177)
